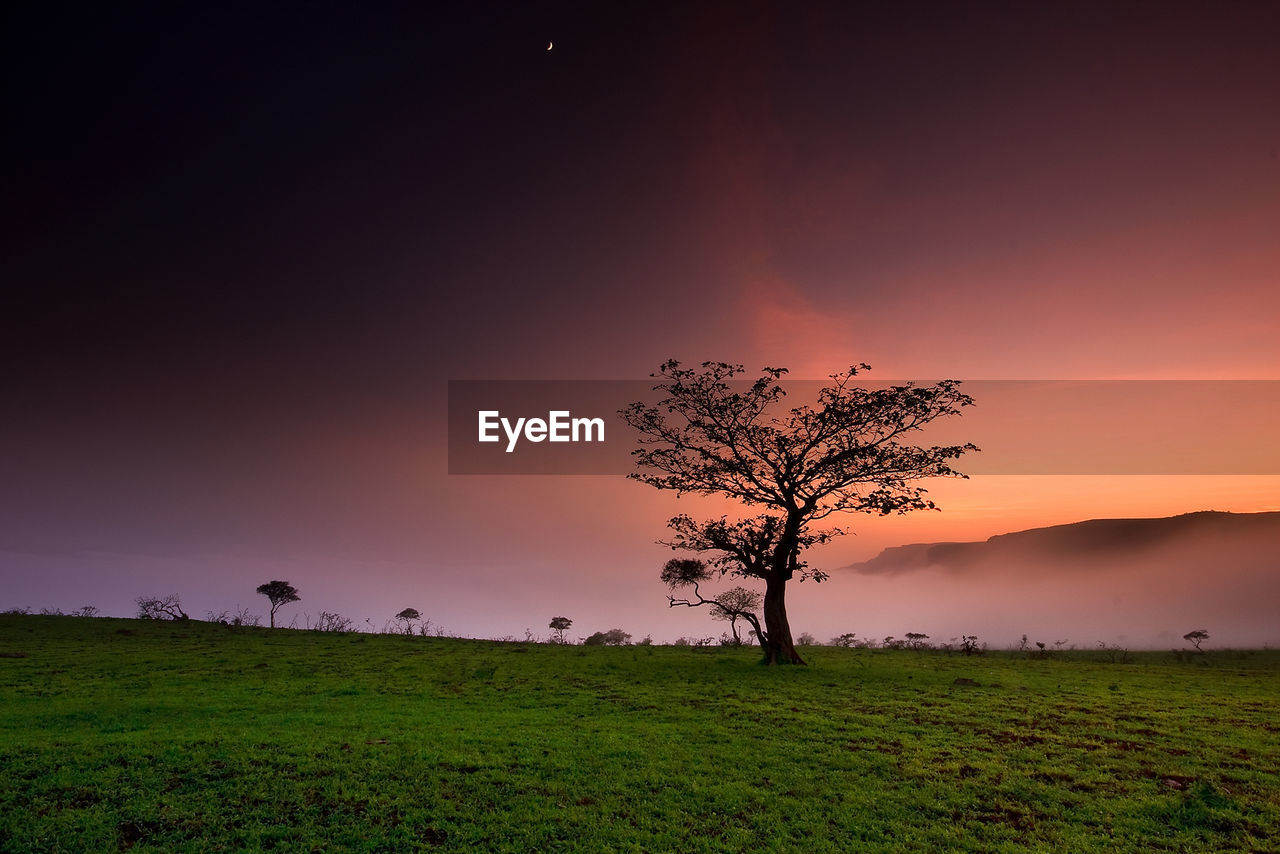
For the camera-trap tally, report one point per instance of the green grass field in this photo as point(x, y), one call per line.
point(121, 734)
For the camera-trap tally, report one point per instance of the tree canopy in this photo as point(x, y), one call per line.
point(278, 593)
point(1196, 637)
point(559, 625)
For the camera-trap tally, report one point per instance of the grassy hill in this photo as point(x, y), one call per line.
point(121, 734)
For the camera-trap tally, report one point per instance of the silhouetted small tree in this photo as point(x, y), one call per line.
point(969, 645)
point(917, 640)
point(732, 605)
point(161, 608)
point(559, 625)
point(846, 640)
point(1195, 638)
point(680, 573)
point(278, 593)
point(406, 618)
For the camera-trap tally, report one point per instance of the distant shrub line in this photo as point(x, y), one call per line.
point(410, 621)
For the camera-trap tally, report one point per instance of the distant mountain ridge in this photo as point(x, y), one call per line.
point(1095, 539)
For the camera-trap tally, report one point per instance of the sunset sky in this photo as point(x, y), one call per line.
point(245, 249)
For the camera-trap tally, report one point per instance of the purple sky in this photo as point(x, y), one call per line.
point(246, 248)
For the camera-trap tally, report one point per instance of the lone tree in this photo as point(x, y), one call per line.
point(1196, 637)
point(406, 618)
point(844, 453)
point(278, 593)
point(559, 625)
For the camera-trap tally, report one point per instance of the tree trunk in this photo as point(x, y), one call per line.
point(779, 649)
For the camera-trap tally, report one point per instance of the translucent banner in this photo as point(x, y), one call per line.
point(1078, 427)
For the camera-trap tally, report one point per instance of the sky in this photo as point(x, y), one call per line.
point(246, 247)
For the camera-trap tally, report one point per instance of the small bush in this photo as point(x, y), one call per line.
point(613, 637)
point(161, 608)
point(327, 621)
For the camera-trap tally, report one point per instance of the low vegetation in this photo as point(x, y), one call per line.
point(183, 735)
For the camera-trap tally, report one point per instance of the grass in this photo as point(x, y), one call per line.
point(120, 734)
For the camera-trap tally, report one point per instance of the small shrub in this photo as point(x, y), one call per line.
point(244, 617)
point(613, 637)
point(1114, 653)
point(328, 621)
point(161, 608)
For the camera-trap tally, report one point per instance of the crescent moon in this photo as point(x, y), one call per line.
point(550, 45)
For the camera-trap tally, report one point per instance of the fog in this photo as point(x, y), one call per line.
point(1076, 584)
